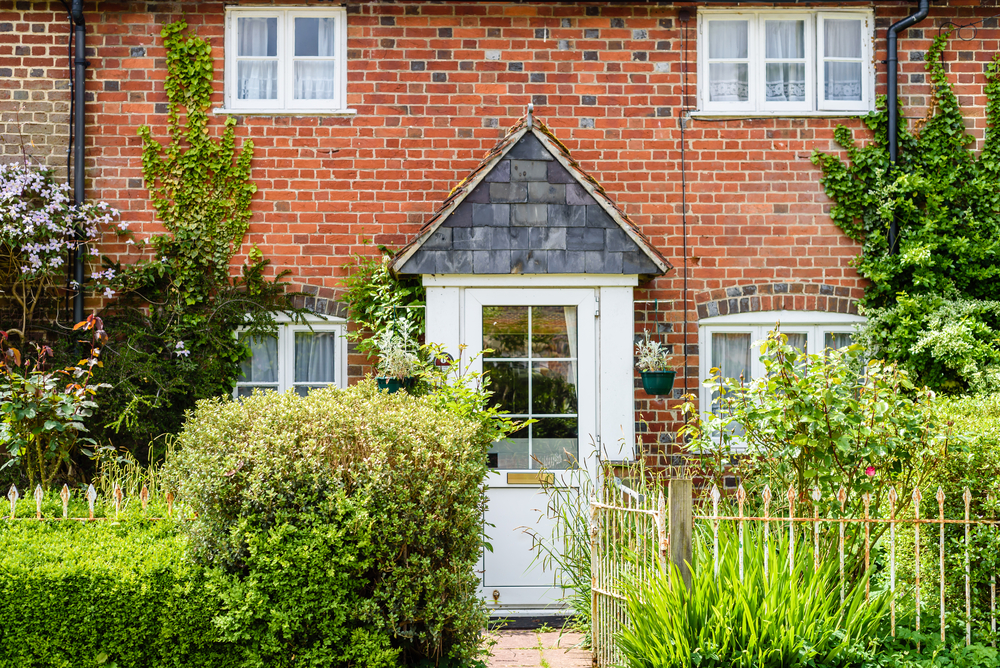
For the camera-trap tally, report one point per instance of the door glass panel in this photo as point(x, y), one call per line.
point(509, 385)
point(533, 375)
point(554, 442)
point(553, 331)
point(505, 331)
point(512, 452)
point(553, 388)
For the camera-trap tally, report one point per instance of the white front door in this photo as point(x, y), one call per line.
point(543, 366)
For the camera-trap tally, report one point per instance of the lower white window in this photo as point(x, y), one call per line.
point(730, 343)
point(299, 357)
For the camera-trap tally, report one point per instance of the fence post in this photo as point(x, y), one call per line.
point(681, 518)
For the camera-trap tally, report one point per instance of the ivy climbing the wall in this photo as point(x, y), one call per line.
point(179, 303)
point(934, 304)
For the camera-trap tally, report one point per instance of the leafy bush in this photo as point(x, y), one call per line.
point(42, 410)
point(823, 422)
point(376, 498)
point(378, 301)
point(976, 469)
point(111, 595)
point(781, 620)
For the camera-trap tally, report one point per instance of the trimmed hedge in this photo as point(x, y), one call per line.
point(100, 594)
point(343, 527)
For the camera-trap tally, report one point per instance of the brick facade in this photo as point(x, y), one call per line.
point(436, 84)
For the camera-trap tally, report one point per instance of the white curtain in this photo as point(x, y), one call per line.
point(315, 354)
point(257, 79)
point(785, 81)
point(728, 40)
point(569, 314)
point(842, 40)
point(315, 79)
point(731, 354)
point(262, 367)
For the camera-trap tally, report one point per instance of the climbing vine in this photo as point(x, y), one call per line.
point(934, 304)
point(179, 306)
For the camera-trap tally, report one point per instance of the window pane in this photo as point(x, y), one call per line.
point(728, 39)
point(314, 36)
point(553, 388)
point(315, 357)
point(257, 36)
point(842, 38)
point(303, 390)
point(512, 452)
point(505, 331)
point(728, 82)
point(257, 79)
point(799, 341)
point(731, 354)
point(786, 82)
point(509, 385)
point(314, 79)
point(247, 390)
point(262, 366)
point(785, 39)
point(553, 331)
point(837, 340)
point(554, 443)
point(842, 81)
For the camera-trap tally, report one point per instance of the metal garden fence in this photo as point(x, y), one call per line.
point(117, 498)
point(633, 536)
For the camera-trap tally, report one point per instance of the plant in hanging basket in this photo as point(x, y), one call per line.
point(398, 364)
point(652, 358)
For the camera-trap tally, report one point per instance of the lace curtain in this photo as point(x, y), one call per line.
point(728, 81)
point(785, 81)
point(315, 78)
point(257, 79)
point(842, 77)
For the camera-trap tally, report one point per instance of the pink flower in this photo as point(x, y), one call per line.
point(870, 471)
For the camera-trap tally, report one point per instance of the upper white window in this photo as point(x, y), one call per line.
point(286, 59)
point(727, 342)
point(783, 62)
point(298, 358)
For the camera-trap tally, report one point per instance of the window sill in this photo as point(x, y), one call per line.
point(727, 115)
point(221, 111)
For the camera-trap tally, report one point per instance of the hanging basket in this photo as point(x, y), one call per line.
point(658, 383)
point(392, 385)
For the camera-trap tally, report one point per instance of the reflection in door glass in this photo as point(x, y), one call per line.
point(544, 340)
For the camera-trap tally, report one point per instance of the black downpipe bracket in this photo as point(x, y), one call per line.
point(893, 62)
point(80, 78)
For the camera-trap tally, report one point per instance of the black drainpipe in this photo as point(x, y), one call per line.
point(80, 78)
point(894, 29)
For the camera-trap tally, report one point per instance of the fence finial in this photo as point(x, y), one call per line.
point(91, 497)
point(144, 497)
point(39, 495)
point(13, 496)
point(64, 495)
point(119, 495)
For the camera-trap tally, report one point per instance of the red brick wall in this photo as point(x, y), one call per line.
point(431, 100)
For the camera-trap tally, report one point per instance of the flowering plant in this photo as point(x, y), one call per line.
point(39, 227)
point(396, 356)
point(651, 355)
point(42, 410)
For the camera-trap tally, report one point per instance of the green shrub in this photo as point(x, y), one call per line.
point(376, 498)
point(103, 594)
point(782, 620)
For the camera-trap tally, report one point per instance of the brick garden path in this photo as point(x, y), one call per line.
point(531, 649)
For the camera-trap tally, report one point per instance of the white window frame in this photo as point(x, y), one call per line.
point(814, 323)
point(756, 104)
point(286, 102)
point(286, 352)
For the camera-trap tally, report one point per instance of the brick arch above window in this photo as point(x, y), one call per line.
point(322, 301)
point(784, 296)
